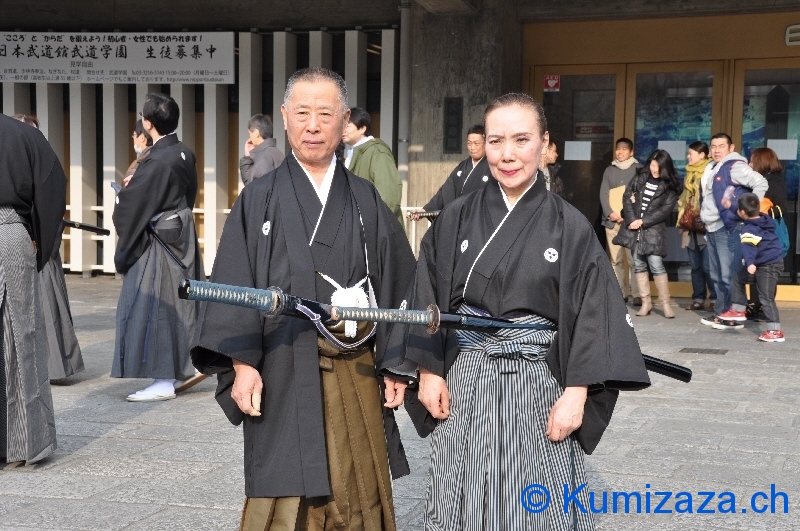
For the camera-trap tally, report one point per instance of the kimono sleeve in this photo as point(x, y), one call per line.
point(224, 332)
point(49, 200)
point(596, 344)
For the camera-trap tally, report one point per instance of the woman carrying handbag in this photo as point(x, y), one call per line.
point(693, 230)
point(647, 203)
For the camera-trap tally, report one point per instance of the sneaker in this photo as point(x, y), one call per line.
point(772, 336)
point(722, 324)
point(752, 311)
point(694, 306)
point(710, 320)
point(733, 315)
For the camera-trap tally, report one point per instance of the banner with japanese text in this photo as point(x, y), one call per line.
point(180, 57)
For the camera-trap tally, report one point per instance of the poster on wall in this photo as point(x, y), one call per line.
point(179, 57)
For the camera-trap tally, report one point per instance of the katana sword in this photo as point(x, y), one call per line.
point(85, 226)
point(274, 301)
point(431, 215)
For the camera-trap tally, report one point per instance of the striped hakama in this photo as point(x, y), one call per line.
point(493, 444)
point(27, 423)
point(64, 353)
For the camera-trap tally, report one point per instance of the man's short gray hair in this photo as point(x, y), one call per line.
point(261, 123)
point(315, 74)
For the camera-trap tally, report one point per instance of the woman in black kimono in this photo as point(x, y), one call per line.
point(510, 411)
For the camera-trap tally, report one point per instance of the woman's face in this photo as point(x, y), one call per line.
point(514, 146)
point(694, 156)
point(654, 169)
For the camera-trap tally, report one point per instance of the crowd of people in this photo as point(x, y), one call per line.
point(506, 408)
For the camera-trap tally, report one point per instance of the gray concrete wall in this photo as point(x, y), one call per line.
point(475, 57)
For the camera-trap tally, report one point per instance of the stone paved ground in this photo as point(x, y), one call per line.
point(178, 464)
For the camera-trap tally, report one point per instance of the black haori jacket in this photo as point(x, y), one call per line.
point(544, 260)
point(265, 243)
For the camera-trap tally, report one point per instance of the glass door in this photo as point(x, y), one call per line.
point(584, 109)
point(767, 114)
point(672, 105)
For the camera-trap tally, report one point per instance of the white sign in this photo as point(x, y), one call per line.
point(675, 148)
point(577, 150)
point(785, 149)
point(180, 57)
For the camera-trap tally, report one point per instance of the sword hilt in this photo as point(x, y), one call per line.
point(429, 317)
point(433, 214)
point(270, 301)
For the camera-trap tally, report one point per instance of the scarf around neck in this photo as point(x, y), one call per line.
point(625, 164)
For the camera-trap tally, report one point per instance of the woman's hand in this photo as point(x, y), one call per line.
point(433, 394)
point(566, 414)
point(635, 225)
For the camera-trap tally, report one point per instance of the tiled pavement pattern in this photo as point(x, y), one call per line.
point(177, 464)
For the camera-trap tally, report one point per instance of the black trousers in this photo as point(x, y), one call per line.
point(766, 277)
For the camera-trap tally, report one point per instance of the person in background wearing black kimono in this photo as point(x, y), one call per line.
point(471, 174)
point(550, 168)
point(33, 190)
point(318, 453)
point(141, 146)
point(64, 353)
point(157, 247)
point(515, 407)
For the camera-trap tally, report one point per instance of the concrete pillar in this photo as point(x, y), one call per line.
point(355, 67)
point(284, 63)
point(116, 142)
point(404, 97)
point(215, 169)
point(142, 89)
point(250, 75)
point(82, 175)
point(184, 96)
point(16, 98)
point(320, 49)
point(388, 80)
point(50, 112)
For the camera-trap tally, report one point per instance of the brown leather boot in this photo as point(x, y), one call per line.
point(662, 284)
point(643, 281)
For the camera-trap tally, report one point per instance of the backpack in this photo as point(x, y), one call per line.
point(780, 229)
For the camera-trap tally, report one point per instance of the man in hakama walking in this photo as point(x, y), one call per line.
point(32, 202)
point(157, 247)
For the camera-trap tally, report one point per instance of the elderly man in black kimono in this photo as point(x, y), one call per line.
point(157, 247)
point(33, 191)
point(514, 408)
point(318, 454)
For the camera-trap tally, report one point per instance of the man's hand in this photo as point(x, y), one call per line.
point(248, 146)
point(751, 269)
point(635, 224)
point(414, 214)
point(395, 392)
point(126, 180)
point(725, 202)
point(433, 394)
point(566, 415)
point(616, 218)
point(247, 387)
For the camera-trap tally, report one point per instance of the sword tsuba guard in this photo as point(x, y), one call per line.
point(433, 321)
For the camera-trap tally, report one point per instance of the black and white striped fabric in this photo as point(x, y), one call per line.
point(27, 405)
point(493, 444)
point(64, 353)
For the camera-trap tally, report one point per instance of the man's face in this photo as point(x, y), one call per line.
point(314, 121)
point(720, 148)
point(622, 152)
point(255, 136)
point(476, 146)
point(352, 134)
point(552, 154)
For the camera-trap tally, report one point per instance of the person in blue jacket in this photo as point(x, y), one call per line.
point(763, 257)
